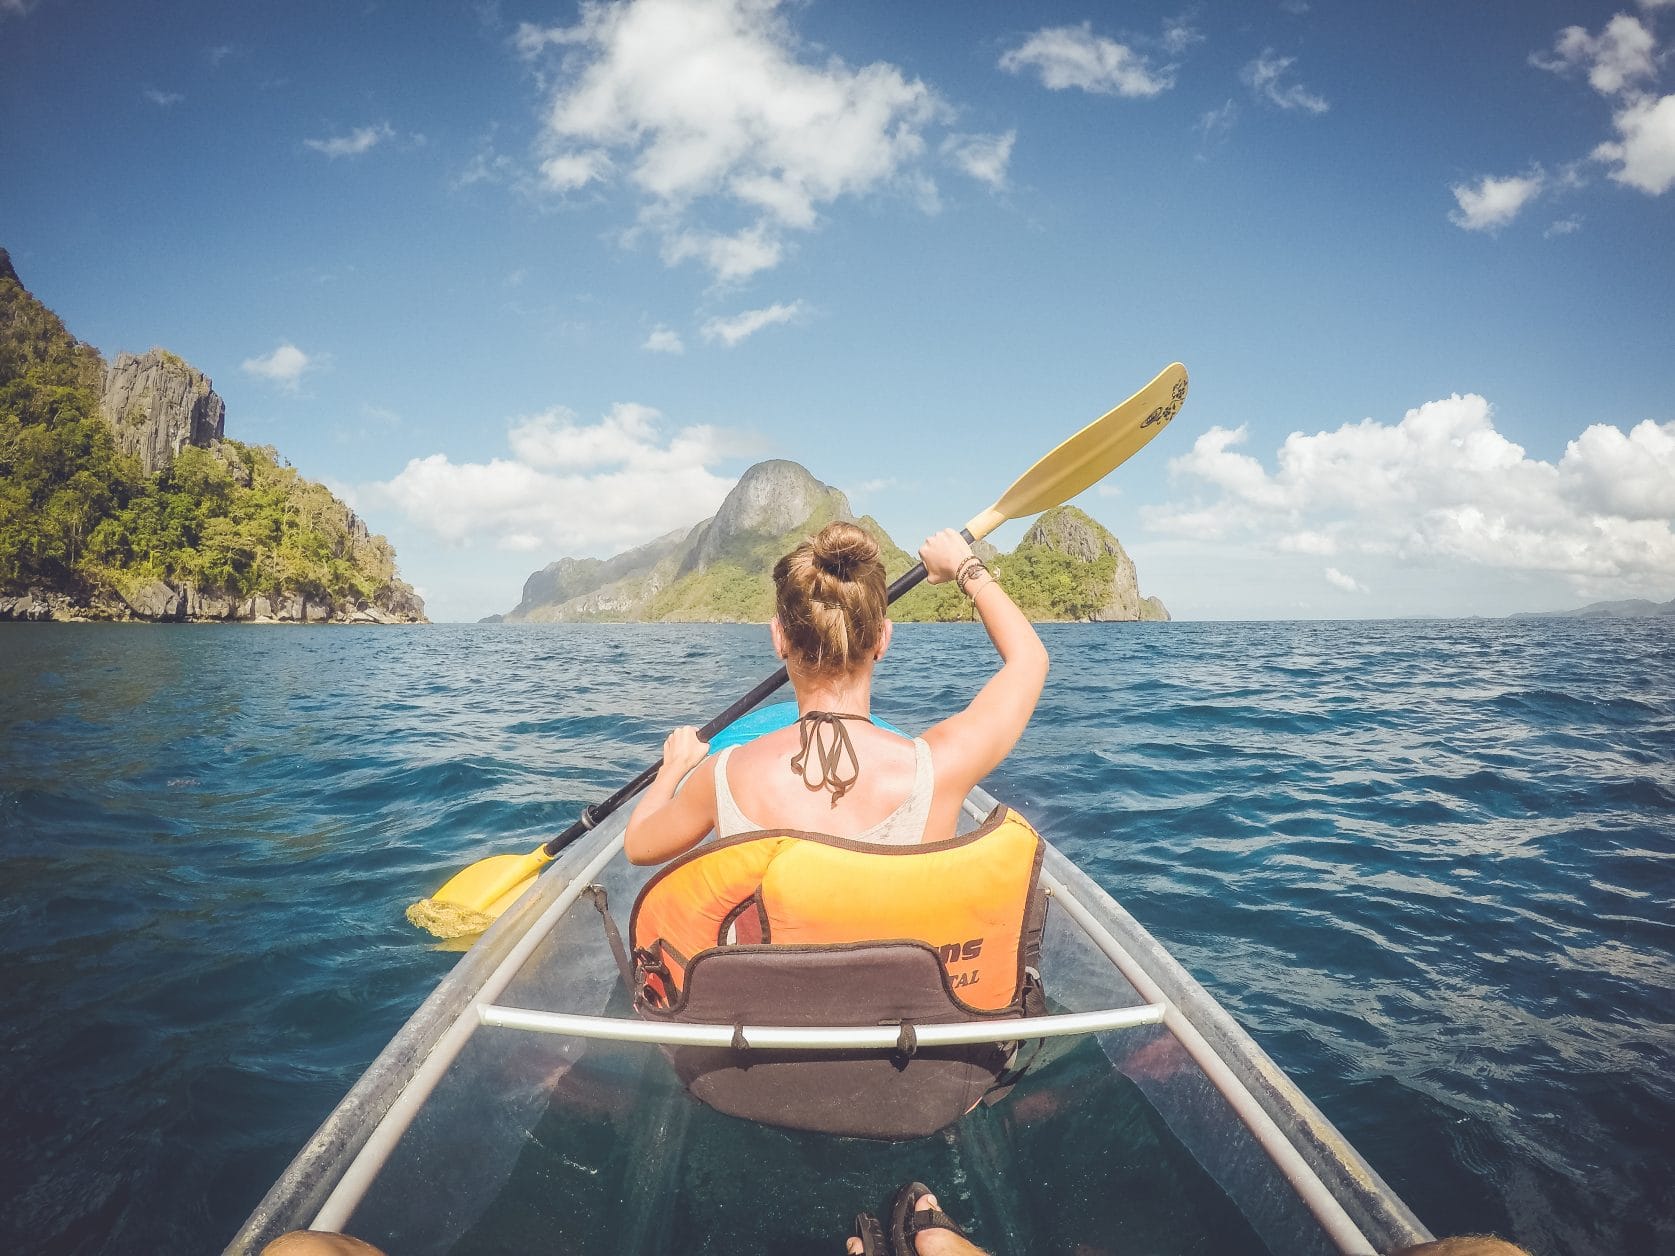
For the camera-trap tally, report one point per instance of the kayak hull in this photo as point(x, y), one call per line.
point(461, 1132)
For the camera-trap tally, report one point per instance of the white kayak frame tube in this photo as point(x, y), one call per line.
point(819, 1037)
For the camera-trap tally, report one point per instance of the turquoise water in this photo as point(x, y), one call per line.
point(1430, 867)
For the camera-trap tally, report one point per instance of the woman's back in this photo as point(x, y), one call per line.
point(889, 803)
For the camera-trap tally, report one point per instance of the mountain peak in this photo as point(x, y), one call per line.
point(773, 497)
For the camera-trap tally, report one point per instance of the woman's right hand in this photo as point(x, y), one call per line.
point(682, 751)
point(942, 555)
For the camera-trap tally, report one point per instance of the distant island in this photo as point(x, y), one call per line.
point(1067, 567)
point(122, 498)
point(1634, 608)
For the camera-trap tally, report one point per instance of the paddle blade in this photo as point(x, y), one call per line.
point(1094, 452)
point(470, 901)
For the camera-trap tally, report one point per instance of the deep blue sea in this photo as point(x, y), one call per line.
point(1430, 866)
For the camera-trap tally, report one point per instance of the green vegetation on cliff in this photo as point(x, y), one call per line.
point(79, 516)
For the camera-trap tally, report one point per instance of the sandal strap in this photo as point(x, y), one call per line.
point(930, 1219)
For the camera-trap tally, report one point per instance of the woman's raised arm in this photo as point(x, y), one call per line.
point(966, 747)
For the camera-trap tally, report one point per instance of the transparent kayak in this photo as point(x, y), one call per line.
point(525, 1107)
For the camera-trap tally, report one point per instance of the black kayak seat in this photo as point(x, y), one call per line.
point(906, 1093)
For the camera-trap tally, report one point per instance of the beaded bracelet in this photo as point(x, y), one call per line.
point(968, 572)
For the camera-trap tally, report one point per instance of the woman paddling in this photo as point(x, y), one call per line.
point(834, 771)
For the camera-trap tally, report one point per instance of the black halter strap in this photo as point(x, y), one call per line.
point(825, 733)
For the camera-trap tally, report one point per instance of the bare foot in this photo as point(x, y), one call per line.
point(939, 1242)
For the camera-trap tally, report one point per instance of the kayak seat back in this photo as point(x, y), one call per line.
point(803, 929)
point(858, 1094)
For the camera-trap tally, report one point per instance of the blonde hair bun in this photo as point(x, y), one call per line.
point(842, 549)
point(830, 599)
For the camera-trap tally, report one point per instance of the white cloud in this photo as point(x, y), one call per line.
point(162, 99)
point(1444, 489)
point(568, 171)
point(16, 8)
point(1629, 477)
point(983, 157)
point(219, 53)
point(1179, 34)
point(1645, 154)
point(703, 102)
point(568, 488)
point(1618, 57)
point(730, 331)
point(1338, 580)
point(730, 257)
point(1266, 77)
point(664, 340)
point(1564, 226)
point(285, 366)
point(1216, 124)
point(1073, 56)
point(359, 141)
point(1493, 202)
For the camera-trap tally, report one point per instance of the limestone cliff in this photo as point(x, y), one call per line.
point(716, 571)
point(121, 498)
point(157, 405)
point(592, 588)
point(1108, 586)
point(1067, 567)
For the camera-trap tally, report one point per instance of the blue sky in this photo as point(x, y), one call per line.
point(525, 280)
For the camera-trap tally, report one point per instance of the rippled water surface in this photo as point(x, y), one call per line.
point(1430, 866)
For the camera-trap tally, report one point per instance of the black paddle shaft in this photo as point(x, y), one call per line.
point(595, 812)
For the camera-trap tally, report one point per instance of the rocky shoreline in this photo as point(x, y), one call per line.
point(162, 603)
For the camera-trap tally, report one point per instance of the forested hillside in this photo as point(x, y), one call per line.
point(227, 531)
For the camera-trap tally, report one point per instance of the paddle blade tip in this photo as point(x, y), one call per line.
point(443, 919)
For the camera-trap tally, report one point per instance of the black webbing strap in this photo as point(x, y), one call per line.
point(602, 901)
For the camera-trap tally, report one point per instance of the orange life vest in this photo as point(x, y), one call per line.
point(968, 898)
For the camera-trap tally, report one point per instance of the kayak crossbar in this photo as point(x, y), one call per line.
point(818, 1037)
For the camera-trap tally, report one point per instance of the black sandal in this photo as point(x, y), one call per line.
point(870, 1231)
point(907, 1219)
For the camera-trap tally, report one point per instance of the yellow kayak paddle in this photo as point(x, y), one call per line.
point(471, 901)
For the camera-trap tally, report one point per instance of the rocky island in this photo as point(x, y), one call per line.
point(1067, 567)
point(122, 498)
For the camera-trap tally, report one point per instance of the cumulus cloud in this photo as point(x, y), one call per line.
point(1492, 203)
point(983, 157)
point(1620, 56)
point(1644, 153)
point(285, 366)
point(664, 340)
point(1338, 580)
point(1443, 487)
point(1619, 63)
point(1073, 56)
point(1267, 79)
point(730, 331)
point(568, 487)
point(359, 141)
point(702, 103)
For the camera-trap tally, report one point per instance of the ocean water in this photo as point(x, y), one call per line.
point(1430, 866)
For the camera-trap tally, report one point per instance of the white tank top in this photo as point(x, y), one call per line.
point(905, 826)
